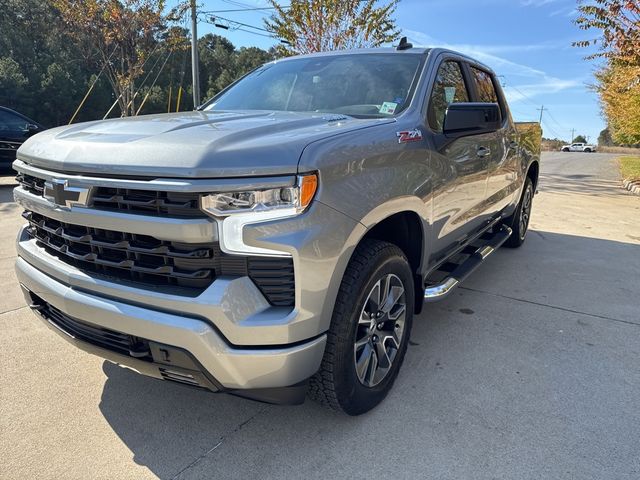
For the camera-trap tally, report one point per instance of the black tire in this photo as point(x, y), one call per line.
point(337, 384)
point(587, 150)
point(565, 149)
point(519, 221)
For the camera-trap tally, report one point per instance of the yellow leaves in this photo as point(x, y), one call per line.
point(619, 91)
point(618, 23)
point(320, 25)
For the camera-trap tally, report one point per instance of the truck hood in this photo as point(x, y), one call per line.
point(194, 144)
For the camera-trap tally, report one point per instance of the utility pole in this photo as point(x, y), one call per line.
point(541, 112)
point(573, 135)
point(195, 70)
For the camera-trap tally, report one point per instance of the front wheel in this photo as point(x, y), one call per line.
point(519, 221)
point(565, 149)
point(369, 331)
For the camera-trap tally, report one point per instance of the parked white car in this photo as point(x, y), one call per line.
point(579, 147)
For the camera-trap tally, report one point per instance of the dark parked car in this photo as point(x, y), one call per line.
point(15, 128)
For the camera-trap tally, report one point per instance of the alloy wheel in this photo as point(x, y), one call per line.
point(380, 330)
point(525, 214)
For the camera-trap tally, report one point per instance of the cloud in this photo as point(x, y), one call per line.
point(548, 85)
point(565, 12)
point(536, 3)
point(530, 81)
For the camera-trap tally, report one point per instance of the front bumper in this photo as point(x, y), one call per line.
point(228, 368)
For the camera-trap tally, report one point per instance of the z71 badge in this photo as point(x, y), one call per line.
point(407, 136)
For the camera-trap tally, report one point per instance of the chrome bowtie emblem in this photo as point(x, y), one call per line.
point(60, 193)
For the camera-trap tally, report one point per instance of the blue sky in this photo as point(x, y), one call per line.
point(528, 42)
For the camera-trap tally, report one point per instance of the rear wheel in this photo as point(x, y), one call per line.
point(369, 331)
point(519, 221)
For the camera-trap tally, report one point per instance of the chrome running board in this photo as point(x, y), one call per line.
point(437, 292)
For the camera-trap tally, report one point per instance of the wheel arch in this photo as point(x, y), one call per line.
point(533, 172)
point(404, 229)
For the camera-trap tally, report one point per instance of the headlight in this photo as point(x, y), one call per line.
point(286, 200)
point(234, 210)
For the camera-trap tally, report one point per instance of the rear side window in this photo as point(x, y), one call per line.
point(448, 88)
point(484, 86)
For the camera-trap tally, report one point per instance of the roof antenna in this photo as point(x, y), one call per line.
point(404, 45)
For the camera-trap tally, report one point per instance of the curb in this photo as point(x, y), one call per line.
point(633, 187)
point(8, 179)
point(8, 184)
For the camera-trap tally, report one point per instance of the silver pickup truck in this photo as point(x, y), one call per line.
point(278, 241)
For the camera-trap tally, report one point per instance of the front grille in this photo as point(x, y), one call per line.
point(147, 202)
point(151, 263)
point(99, 336)
point(138, 258)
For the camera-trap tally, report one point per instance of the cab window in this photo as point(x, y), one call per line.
point(484, 86)
point(448, 88)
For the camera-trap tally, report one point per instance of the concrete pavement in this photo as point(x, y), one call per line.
point(530, 370)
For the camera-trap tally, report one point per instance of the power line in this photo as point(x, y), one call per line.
point(248, 9)
point(556, 122)
point(255, 33)
point(238, 26)
point(520, 92)
point(523, 117)
point(553, 131)
point(240, 4)
point(523, 96)
point(528, 99)
point(238, 23)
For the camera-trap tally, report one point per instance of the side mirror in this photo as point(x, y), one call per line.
point(464, 119)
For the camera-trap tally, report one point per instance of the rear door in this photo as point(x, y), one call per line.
point(501, 146)
point(459, 165)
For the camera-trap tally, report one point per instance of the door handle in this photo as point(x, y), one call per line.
point(483, 152)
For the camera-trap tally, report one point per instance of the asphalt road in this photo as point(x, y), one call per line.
point(530, 370)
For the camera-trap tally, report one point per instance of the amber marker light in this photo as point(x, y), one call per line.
point(308, 186)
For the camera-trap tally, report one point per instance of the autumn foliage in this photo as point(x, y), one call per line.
point(619, 89)
point(309, 26)
point(119, 35)
point(618, 85)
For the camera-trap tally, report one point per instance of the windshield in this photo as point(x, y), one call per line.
point(360, 85)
